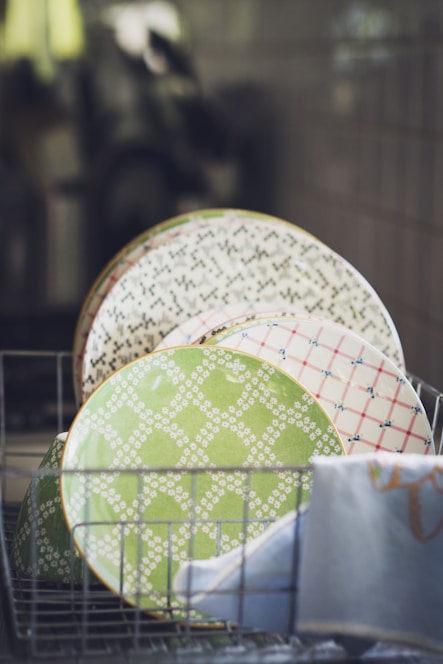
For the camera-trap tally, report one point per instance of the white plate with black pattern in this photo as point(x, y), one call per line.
point(235, 258)
point(153, 237)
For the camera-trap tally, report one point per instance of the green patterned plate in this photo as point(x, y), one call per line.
point(42, 543)
point(130, 488)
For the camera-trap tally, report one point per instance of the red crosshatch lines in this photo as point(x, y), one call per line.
point(370, 401)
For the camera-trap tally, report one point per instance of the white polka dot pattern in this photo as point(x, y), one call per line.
point(174, 410)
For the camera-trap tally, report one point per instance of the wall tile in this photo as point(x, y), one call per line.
point(437, 218)
point(409, 196)
point(425, 176)
point(243, 21)
point(356, 88)
point(438, 92)
point(206, 20)
point(366, 242)
point(368, 162)
point(289, 22)
point(417, 338)
point(434, 256)
point(389, 174)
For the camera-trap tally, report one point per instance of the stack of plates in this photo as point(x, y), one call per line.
point(219, 259)
point(223, 338)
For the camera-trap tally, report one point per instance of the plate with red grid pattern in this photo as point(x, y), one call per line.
point(369, 399)
point(219, 318)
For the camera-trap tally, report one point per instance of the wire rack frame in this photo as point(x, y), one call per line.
point(87, 620)
point(54, 620)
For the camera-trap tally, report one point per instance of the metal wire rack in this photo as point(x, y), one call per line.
point(83, 621)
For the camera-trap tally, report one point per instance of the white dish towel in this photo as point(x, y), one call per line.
point(372, 552)
point(252, 585)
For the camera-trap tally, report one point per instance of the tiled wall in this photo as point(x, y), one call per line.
point(355, 89)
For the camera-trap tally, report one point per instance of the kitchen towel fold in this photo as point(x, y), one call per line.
point(252, 585)
point(371, 560)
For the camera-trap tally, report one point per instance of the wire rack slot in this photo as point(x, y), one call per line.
point(46, 620)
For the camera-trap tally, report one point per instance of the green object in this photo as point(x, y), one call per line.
point(135, 505)
point(43, 31)
point(42, 545)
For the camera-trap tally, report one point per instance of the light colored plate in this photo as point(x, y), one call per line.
point(234, 259)
point(114, 269)
point(369, 399)
point(182, 408)
point(208, 322)
point(153, 237)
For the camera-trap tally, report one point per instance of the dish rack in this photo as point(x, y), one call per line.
point(85, 621)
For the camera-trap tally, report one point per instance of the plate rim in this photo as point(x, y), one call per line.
point(326, 252)
point(86, 316)
point(328, 323)
point(65, 469)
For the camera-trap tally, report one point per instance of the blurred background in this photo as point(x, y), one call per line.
point(115, 116)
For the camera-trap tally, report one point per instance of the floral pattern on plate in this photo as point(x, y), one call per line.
point(133, 501)
point(42, 543)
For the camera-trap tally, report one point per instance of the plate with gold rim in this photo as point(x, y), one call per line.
point(210, 322)
point(153, 237)
point(175, 450)
point(369, 399)
point(232, 259)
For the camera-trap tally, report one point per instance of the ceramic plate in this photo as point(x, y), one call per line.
point(155, 236)
point(369, 399)
point(209, 322)
point(182, 408)
point(233, 259)
point(42, 543)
